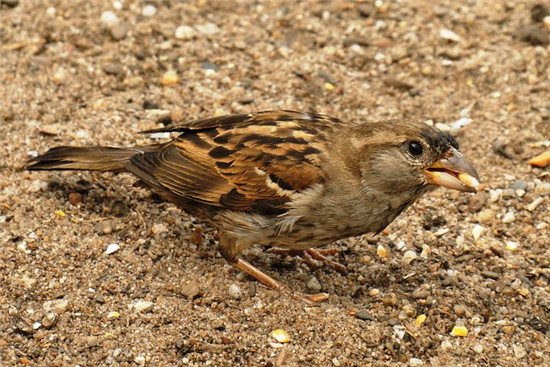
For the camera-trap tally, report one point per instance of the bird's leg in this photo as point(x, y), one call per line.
point(312, 257)
point(230, 253)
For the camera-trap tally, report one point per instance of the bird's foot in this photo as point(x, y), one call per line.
point(314, 258)
point(248, 268)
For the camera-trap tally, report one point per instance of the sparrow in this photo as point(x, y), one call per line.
point(288, 179)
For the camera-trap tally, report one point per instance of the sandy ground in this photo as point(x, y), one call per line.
point(96, 272)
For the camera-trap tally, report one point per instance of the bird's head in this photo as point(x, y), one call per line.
point(409, 157)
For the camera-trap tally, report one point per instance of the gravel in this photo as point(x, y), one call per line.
point(98, 72)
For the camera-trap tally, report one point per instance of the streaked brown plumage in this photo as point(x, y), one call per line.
point(283, 178)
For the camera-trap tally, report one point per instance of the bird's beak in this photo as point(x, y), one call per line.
point(453, 171)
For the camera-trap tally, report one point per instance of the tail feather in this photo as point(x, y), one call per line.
point(86, 158)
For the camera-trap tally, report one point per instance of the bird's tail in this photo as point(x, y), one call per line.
point(86, 158)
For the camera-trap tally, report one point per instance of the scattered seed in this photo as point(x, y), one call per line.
point(459, 331)
point(280, 335)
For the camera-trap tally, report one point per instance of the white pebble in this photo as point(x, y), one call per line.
point(449, 35)
point(148, 10)
point(478, 348)
point(117, 5)
point(461, 122)
point(519, 351)
point(446, 345)
point(415, 362)
point(235, 291)
point(112, 248)
point(477, 231)
point(141, 306)
point(109, 18)
point(58, 306)
point(139, 360)
point(35, 186)
point(460, 241)
point(184, 32)
point(495, 195)
point(509, 217)
point(409, 256)
point(534, 204)
point(208, 28)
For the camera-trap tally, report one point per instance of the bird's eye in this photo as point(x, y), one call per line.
point(415, 148)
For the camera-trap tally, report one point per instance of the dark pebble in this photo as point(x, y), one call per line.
point(364, 315)
point(209, 66)
point(9, 3)
point(75, 198)
point(348, 41)
point(533, 34)
point(490, 274)
point(150, 105)
point(519, 185)
point(538, 12)
point(120, 209)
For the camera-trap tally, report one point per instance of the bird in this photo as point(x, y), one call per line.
point(285, 179)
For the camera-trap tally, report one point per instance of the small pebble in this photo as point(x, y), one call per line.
point(363, 314)
point(449, 35)
point(105, 227)
point(184, 32)
point(485, 216)
point(190, 289)
point(421, 293)
point(446, 345)
point(413, 362)
point(519, 351)
point(58, 306)
point(535, 203)
point(235, 291)
point(509, 217)
point(75, 198)
point(478, 348)
point(141, 306)
point(140, 360)
point(207, 29)
point(409, 256)
point(159, 228)
point(119, 31)
point(109, 18)
point(112, 248)
point(477, 231)
point(112, 68)
point(148, 10)
point(313, 284)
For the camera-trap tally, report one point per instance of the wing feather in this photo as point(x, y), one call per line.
point(253, 162)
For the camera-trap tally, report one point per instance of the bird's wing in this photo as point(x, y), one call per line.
point(252, 162)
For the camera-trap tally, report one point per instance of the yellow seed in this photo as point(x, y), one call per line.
point(329, 86)
point(420, 320)
point(280, 335)
point(113, 315)
point(469, 82)
point(381, 251)
point(459, 331)
point(60, 213)
point(170, 78)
